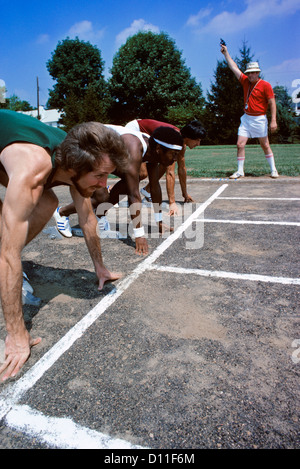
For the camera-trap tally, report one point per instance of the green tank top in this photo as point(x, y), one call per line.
point(18, 127)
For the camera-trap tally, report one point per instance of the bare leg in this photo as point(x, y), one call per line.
point(241, 144)
point(41, 214)
point(99, 196)
point(161, 172)
point(143, 171)
point(265, 145)
point(118, 192)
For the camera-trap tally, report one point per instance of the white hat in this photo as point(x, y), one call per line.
point(252, 67)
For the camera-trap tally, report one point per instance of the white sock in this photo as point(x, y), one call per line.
point(241, 165)
point(271, 161)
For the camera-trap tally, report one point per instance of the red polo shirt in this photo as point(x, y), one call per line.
point(259, 97)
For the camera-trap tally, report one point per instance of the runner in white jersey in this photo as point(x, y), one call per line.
point(162, 147)
point(142, 136)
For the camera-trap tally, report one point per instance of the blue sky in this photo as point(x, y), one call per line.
point(30, 31)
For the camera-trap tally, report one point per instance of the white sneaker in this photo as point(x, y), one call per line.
point(146, 194)
point(274, 174)
point(236, 175)
point(26, 285)
point(103, 223)
point(29, 299)
point(62, 224)
point(77, 231)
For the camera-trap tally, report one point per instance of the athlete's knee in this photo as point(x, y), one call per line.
point(51, 199)
point(143, 172)
point(241, 144)
point(99, 196)
point(266, 148)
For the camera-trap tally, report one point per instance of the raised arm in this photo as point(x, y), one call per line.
point(230, 62)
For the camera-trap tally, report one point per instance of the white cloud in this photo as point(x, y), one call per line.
point(85, 31)
point(283, 74)
point(195, 20)
point(136, 26)
point(287, 66)
point(256, 11)
point(42, 38)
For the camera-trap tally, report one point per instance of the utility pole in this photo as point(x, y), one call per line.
point(38, 98)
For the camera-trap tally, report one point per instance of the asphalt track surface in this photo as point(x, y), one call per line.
point(196, 347)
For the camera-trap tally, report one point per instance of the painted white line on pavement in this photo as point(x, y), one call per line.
point(228, 275)
point(259, 198)
point(250, 222)
point(13, 393)
point(61, 433)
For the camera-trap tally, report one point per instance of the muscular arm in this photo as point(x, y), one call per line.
point(88, 222)
point(129, 184)
point(170, 176)
point(24, 190)
point(182, 177)
point(14, 233)
point(170, 183)
point(155, 189)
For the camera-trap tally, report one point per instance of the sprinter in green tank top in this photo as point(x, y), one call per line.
point(33, 158)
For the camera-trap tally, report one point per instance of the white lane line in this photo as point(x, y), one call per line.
point(13, 393)
point(249, 222)
point(228, 275)
point(260, 198)
point(61, 433)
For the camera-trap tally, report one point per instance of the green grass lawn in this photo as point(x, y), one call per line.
point(220, 161)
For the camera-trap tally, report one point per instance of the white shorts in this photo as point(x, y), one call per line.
point(127, 130)
point(133, 125)
point(253, 126)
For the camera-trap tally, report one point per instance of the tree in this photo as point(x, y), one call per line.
point(287, 127)
point(225, 101)
point(14, 103)
point(149, 77)
point(77, 67)
point(180, 115)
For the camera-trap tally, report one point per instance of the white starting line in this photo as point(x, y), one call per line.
point(250, 222)
point(282, 199)
point(227, 275)
point(63, 433)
